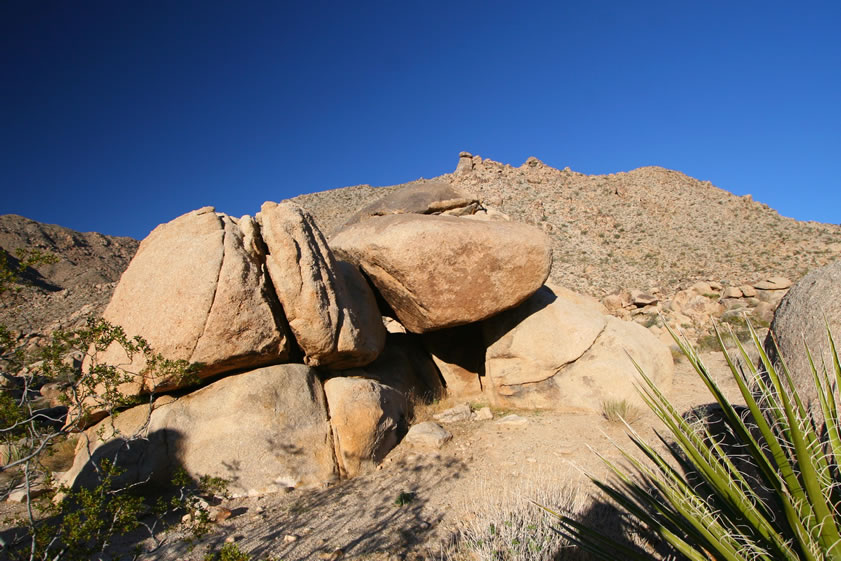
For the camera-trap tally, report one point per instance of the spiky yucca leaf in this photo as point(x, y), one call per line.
point(783, 505)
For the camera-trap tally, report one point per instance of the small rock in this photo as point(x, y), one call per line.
point(612, 302)
point(289, 538)
point(455, 414)
point(230, 539)
point(218, 513)
point(732, 292)
point(773, 283)
point(701, 288)
point(748, 291)
point(513, 420)
point(428, 434)
point(331, 556)
point(640, 298)
point(483, 414)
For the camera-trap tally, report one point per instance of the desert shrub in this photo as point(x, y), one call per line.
point(506, 526)
point(777, 498)
point(228, 552)
point(60, 523)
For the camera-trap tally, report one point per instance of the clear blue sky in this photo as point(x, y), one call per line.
point(116, 116)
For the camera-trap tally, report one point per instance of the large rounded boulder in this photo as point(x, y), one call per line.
point(264, 430)
point(197, 291)
point(442, 271)
point(802, 318)
point(559, 351)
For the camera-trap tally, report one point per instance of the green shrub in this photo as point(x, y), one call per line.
point(776, 499)
point(60, 523)
point(228, 552)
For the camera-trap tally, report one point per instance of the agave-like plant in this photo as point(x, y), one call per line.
point(778, 500)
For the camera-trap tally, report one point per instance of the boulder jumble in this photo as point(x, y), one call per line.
point(311, 353)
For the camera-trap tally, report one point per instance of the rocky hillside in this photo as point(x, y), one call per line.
point(643, 229)
point(79, 284)
point(650, 227)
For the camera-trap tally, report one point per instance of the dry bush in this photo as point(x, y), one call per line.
point(506, 525)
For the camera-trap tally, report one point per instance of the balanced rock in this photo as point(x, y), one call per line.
point(465, 162)
point(196, 290)
point(328, 304)
point(427, 197)
point(800, 318)
point(263, 430)
point(368, 419)
point(443, 271)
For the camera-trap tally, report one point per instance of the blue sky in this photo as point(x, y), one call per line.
point(116, 116)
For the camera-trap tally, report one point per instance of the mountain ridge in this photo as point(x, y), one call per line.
point(645, 228)
point(650, 227)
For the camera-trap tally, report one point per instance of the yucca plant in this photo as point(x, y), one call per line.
point(776, 498)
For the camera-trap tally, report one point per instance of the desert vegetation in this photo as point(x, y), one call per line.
point(58, 522)
point(762, 485)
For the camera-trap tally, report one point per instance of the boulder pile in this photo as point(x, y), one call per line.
point(696, 307)
point(310, 352)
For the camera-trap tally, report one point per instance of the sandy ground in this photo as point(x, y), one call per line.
point(486, 461)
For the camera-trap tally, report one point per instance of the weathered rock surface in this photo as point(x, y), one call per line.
point(428, 197)
point(800, 319)
point(554, 353)
point(530, 343)
point(443, 271)
point(606, 372)
point(368, 419)
point(328, 304)
point(196, 291)
point(263, 430)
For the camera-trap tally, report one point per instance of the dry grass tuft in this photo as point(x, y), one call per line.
point(617, 410)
